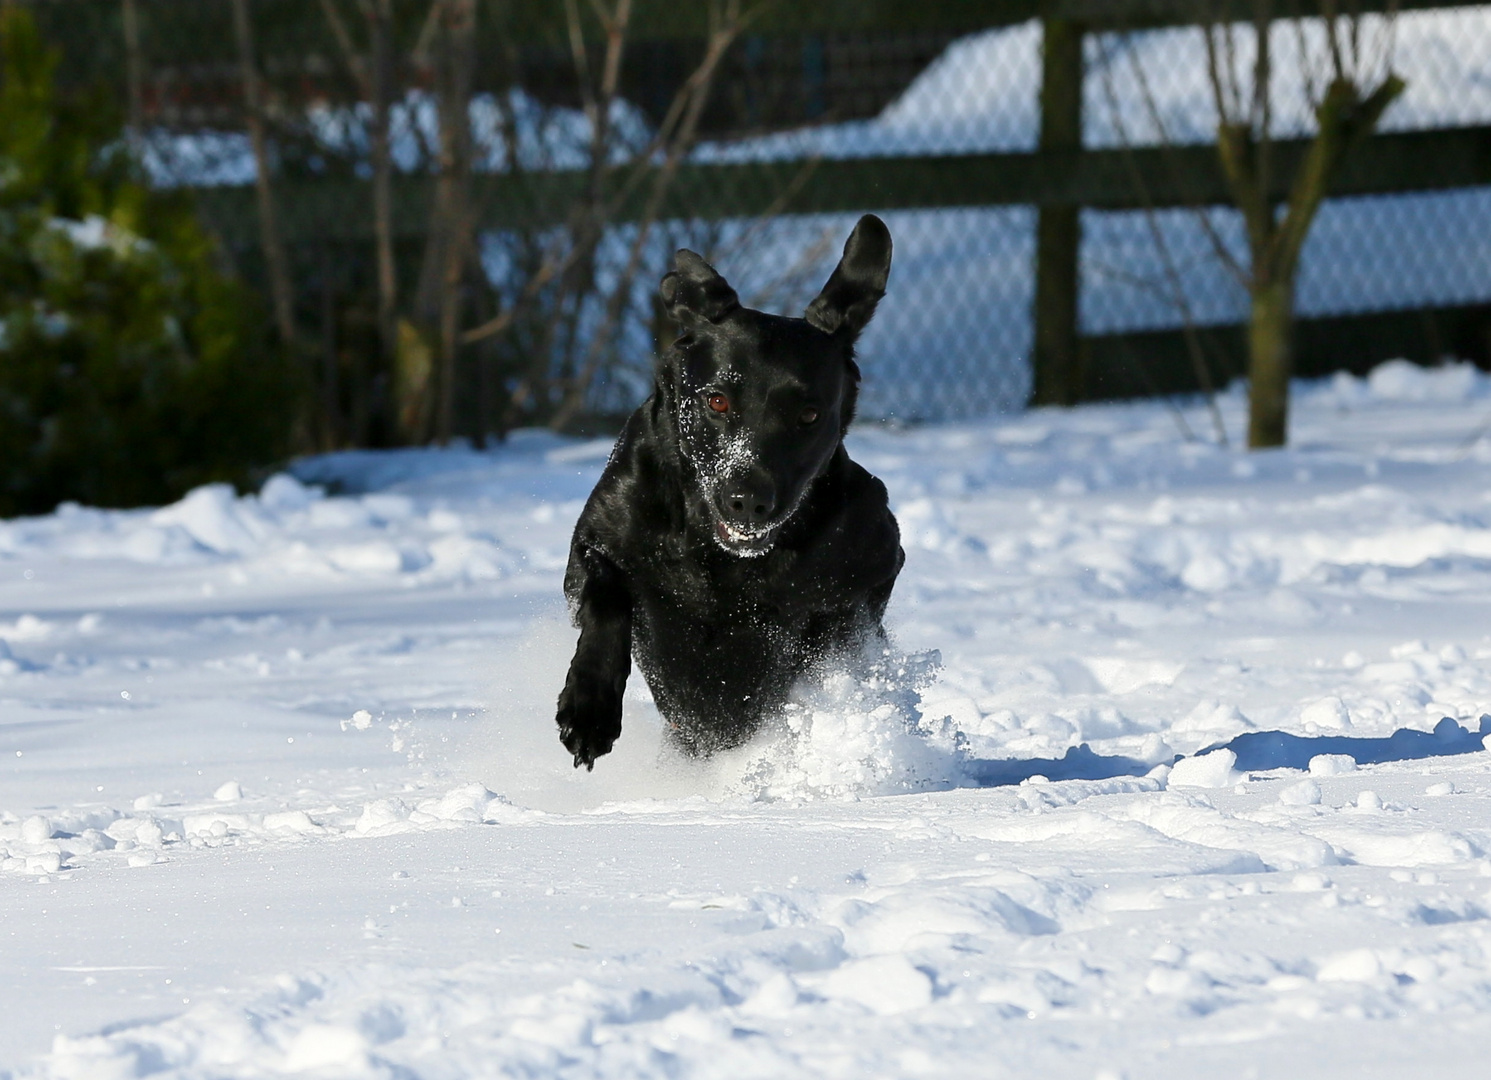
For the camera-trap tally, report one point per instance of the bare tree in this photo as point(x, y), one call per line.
point(421, 347)
point(1349, 83)
point(554, 325)
point(380, 78)
point(276, 259)
point(452, 225)
point(373, 73)
point(677, 137)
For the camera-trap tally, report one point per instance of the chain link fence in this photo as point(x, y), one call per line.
point(548, 317)
point(1400, 252)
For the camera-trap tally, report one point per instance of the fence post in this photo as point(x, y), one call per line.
point(1058, 232)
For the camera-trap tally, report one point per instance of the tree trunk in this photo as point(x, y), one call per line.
point(276, 260)
point(134, 68)
point(1270, 363)
point(442, 276)
point(331, 382)
point(380, 35)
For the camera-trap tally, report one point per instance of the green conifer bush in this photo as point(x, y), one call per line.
point(132, 368)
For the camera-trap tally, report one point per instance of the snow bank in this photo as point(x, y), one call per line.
point(289, 529)
point(1199, 785)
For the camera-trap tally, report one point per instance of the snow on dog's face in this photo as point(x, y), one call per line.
point(761, 401)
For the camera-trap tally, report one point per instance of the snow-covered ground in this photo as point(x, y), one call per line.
point(280, 790)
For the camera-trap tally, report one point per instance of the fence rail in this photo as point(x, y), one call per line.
point(296, 28)
point(1393, 163)
point(1147, 363)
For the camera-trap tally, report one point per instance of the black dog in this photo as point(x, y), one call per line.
point(730, 542)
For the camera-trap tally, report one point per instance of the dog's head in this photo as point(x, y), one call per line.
point(761, 401)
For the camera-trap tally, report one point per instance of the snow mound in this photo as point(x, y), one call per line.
point(217, 519)
point(289, 529)
point(1402, 381)
point(1213, 770)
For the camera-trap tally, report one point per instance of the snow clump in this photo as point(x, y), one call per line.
point(856, 732)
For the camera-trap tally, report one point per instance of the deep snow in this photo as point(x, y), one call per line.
point(280, 790)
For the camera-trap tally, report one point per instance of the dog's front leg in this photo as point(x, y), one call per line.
point(590, 703)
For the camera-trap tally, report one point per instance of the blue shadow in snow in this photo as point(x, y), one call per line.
point(1276, 750)
point(1078, 763)
point(1256, 750)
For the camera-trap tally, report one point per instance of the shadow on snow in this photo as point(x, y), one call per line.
point(1255, 750)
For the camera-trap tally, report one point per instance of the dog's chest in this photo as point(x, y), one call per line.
point(709, 591)
point(722, 598)
point(710, 637)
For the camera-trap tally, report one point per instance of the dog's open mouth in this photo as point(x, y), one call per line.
point(744, 542)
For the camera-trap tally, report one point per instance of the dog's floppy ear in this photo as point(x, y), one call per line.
point(696, 291)
point(857, 283)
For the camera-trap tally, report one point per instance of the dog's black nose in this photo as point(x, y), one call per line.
point(749, 504)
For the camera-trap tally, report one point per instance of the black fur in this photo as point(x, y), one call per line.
point(731, 551)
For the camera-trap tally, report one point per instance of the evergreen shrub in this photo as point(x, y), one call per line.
point(132, 367)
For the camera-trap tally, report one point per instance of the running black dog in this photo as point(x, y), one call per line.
point(730, 542)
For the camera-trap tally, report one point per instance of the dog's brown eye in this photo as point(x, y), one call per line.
point(808, 416)
point(718, 402)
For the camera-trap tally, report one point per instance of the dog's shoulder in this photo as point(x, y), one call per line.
point(854, 498)
point(634, 503)
point(847, 532)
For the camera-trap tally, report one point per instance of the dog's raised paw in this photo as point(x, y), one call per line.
point(589, 718)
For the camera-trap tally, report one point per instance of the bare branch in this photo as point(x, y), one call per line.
point(134, 77)
point(1343, 121)
point(616, 29)
point(546, 273)
point(1340, 68)
point(778, 205)
point(616, 25)
point(356, 66)
point(726, 26)
point(1314, 92)
point(1157, 237)
point(1218, 71)
point(1389, 37)
point(581, 58)
point(276, 260)
point(822, 247)
point(427, 31)
point(1354, 37)
point(379, 16)
point(1234, 79)
point(453, 194)
point(1258, 107)
point(1202, 215)
point(1263, 134)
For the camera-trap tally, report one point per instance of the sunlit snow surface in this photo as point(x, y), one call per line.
point(280, 790)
